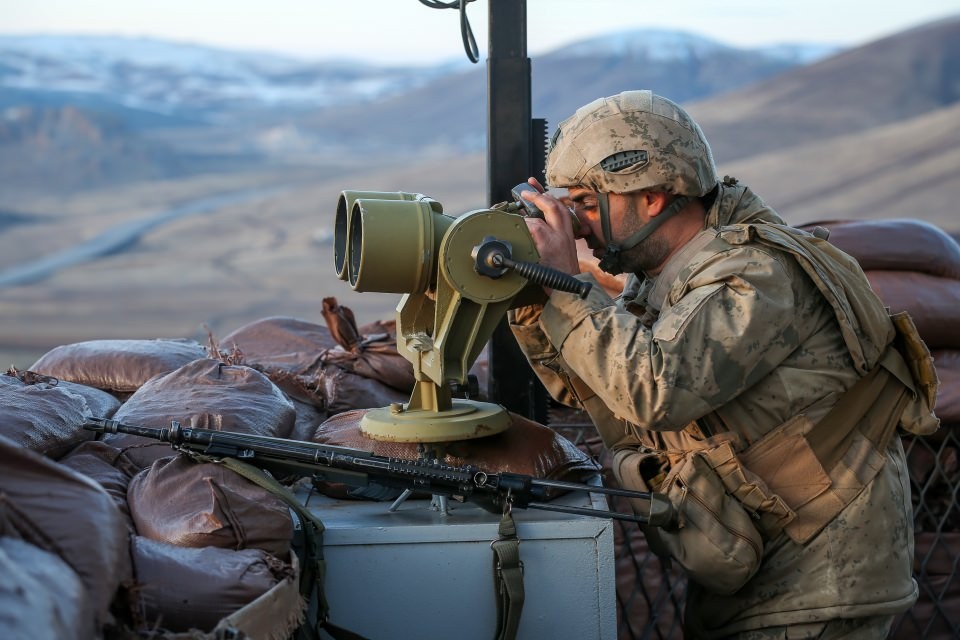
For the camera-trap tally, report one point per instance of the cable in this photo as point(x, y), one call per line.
point(466, 33)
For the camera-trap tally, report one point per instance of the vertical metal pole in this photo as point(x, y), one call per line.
point(508, 99)
point(510, 159)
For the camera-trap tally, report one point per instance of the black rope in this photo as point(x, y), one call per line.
point(466, 33)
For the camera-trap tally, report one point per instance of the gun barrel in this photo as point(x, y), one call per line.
point(102, 425)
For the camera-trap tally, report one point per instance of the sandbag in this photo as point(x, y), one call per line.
point(275, 615)
point(182, 588)
point(206, 394)
point(44, 417)
point(41, 596)
point(281, 342)
point(309, 417)
point(63, 512)
point(109, 467)
point(99, 402)
point(932, 302)
point(190, 504)
point(118, 366)
point(287, 350)
point(345, 391)
point(901, 244)
point(372, 356)
point(309, 363)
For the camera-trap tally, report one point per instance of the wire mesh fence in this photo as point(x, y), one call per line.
point(934, 464)
point(650, 593)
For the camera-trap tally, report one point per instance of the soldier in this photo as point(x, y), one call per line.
point(746, 371)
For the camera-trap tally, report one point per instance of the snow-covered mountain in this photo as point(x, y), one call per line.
point(172, 77)
point(664, 45)
point(178, 78)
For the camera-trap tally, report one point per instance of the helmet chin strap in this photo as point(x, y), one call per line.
point(610, 261)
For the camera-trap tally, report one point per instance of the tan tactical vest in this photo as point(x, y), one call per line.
point(839, 453)
point(819, 461)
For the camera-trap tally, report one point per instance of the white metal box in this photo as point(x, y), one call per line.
point(416, 573)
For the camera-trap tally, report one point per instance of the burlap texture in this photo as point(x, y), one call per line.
point(190, 504)
point(207, 394)
point(117, 366)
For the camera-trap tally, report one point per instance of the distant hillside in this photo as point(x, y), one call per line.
point(68, 148)
point(901, 170)
point(679, 65)
point(82, 113)
point(89, 111)
point(450, 111)
point(895, 78)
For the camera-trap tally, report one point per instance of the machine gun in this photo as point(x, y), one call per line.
point(359, 468)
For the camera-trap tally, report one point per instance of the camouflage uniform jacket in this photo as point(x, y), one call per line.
point(740, 339)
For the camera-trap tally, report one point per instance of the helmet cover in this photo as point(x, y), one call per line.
point(632, 141)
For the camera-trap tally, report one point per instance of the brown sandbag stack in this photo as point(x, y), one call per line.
point(211, 545)
point(286, 350)
point(166, 591)
point(191, 504)
point(65, 513)
point(183, 589)
point(371, 355)
point(333, 368)
point(280, 348)
point(206, 394)
point(207, 542)
point(109, 467)
point(40, 595)
point(914, 266)
point(117, 366)
point(42, 416)
point(99, 403)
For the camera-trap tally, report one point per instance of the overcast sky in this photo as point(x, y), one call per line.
point(406, 31)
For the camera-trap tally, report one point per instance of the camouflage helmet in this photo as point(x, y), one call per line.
point(632, 141)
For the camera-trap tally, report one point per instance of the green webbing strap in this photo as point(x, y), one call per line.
point(508, 578)
point(610, 261)
point(314, 569)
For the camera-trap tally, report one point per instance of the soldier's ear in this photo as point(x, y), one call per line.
point(655, 201)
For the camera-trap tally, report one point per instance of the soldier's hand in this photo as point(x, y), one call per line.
point(553, 234)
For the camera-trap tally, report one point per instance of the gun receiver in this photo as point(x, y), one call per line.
point(360, 468)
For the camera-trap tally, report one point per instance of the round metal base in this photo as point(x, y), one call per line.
point(467, 419)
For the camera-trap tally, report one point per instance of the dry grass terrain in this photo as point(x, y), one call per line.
point(904, 170)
